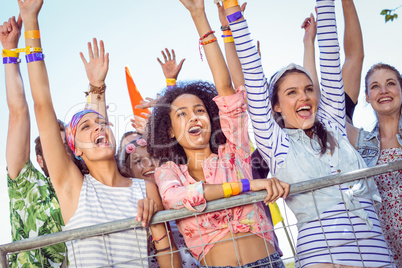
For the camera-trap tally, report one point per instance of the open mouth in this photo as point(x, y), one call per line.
point(195, 130)
point(304, 111)
point(149, 174)
point(101, 140)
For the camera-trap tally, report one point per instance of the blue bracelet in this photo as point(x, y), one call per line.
point(246, 185)
point(13, 60)
point(34, 57)
point(234, 17)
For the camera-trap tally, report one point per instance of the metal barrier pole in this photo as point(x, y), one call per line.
point(169, 215)
point(3, 259)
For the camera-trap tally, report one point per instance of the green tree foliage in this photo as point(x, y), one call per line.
point(390, 14)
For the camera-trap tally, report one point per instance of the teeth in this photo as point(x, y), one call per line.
point(149, 172)
point(304, 108)
point(385, 99)
point(194, 129)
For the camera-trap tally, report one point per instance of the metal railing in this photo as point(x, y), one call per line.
point(172, 215)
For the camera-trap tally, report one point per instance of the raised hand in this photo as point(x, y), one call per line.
point(310, 28)
point(193, 5)
point(29, 9)
point(148, 102)
point(170, 68)
point(140, 123)
point(222, 13)
point(275, 188)
point(10, 33)
point(98, 64)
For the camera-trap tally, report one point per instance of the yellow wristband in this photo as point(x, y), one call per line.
point(170, 82)
point(228, 39)
point(10, 53)
point(30, 50)
point(227, 190)
point(230, 3)
point(33, 34)
point(235, 188)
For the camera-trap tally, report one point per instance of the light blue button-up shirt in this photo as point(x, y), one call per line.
point(304, 162)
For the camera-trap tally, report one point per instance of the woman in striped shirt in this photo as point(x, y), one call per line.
point(303, 138)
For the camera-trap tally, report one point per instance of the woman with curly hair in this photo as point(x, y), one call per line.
point(199, 134)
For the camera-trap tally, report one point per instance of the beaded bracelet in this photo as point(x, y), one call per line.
point(246, 185)
point(33, 34)
point(206, 35)
point(208, 42)
point(227, 190)
point(235, 188)
point(230, 3)
point(34, 57)
point(11, 60)
point(234, 17)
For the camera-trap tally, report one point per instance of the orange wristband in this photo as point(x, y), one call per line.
point(230, 3)
point(33, 34)
point(227, 32)
point(235, 188)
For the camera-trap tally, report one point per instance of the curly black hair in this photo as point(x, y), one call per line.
point(160, 144)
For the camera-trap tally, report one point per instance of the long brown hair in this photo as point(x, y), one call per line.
point(325, 138)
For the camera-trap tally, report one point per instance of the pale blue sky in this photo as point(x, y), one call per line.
point(134, 33)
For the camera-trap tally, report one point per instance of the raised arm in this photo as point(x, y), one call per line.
point(272, 141)
point(66, 177)
point(354, 52)
point(213, 53)
point(170, 68)
point(18, 136)
point(232, 59)
point(96, 70)
point(310, 31)
point(331, 110)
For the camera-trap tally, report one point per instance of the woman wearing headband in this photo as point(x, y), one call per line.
point(104, 194)
point(303, 138)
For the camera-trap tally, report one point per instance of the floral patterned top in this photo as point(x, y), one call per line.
point(390, 214)
point(34, 211)
point(232, 163)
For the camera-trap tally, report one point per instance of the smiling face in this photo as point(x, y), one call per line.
point(94, 139)
point(384, 92)
point(142, 166)
point(191, 125)
point(297, 100)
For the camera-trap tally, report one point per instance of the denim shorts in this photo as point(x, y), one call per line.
point(272, 261)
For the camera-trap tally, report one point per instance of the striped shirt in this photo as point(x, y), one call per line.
point(98, 204)
point(272, 140)
point(293, 157)
point(290, 154)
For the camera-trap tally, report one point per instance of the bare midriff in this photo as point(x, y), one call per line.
point(248, 246)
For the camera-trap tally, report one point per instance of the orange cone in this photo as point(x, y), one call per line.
point(135, 95)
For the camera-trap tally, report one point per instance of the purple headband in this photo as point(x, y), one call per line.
point(71, 128)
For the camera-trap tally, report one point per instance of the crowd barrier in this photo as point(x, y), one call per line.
point(172, 215)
